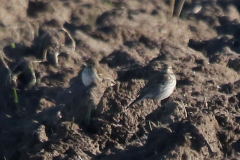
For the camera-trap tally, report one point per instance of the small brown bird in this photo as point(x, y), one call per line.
point(94, 71)
point(159, 87)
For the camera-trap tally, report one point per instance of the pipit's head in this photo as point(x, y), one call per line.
point(167, 68)
point(90, 63)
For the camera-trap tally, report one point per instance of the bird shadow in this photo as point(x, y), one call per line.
point(141, 72)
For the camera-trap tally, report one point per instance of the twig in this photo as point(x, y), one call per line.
point(31, 30)
point(73, 120)
point(34, 79)
point(58, 12)
point(119, 125)
point(16, 98)
point(56, 54)
point(79, 157)
point(73, 42)
point(138, 139)
point(150, 123)
point(184, 108)
point(2, 57)
point(44, 59)
point(179, 7)
point(172, 7)
point(205, 102)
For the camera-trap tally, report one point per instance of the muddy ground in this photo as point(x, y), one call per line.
point(47, 113)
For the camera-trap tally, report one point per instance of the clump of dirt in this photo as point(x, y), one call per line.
point(48, 113)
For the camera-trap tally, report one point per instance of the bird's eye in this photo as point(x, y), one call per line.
point(165, 66)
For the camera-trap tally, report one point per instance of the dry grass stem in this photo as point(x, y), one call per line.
point(70, 36)
point(179, 7)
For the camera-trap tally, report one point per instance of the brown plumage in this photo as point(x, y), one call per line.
point(159, 87)
point(94, 71)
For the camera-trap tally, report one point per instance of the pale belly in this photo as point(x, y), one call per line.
point(165, 92)
point(87, 79)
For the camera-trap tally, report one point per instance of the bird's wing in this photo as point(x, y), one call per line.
point(96, 75)
point(154, 83)
point(103, 74)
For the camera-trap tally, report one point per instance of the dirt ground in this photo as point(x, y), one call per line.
point(47, 113)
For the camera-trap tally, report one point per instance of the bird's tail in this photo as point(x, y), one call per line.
point(135, 101)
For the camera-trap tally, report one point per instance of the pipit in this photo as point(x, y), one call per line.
point(159, 87)
point(93, 72)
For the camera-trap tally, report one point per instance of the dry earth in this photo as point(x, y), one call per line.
point(47, 113)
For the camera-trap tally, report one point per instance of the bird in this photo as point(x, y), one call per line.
point(94, 71)
point(159, 87)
